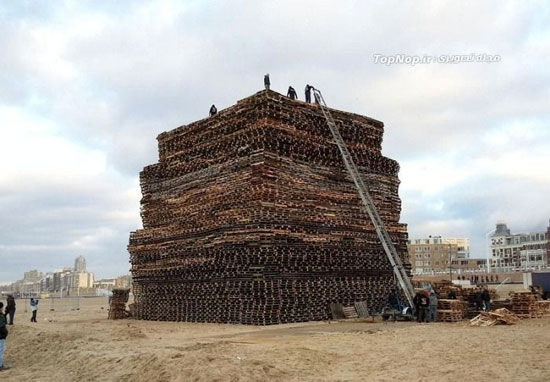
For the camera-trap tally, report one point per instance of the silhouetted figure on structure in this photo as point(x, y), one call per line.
point(291, 93)
point(213, 110)
point(267, 83)
point(308, 93)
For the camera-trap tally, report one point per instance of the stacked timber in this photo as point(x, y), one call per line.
point(249, 217)
point(473, 306)
point(544, 307)
point(525, 304)
point(117, 304)
point(449, 310)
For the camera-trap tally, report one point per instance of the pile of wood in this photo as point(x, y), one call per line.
point(117, 305)
point(500, 316)
point(449, 310)
point(525, 304)
point(544, 307)
point(249, 217)
point(501, 303)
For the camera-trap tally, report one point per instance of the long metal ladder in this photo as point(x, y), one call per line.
point(368, 203)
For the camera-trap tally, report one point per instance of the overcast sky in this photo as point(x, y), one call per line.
point(86, 86)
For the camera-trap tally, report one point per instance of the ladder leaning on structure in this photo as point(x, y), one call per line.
point(368, 203)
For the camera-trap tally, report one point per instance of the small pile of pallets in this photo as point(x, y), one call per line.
point(500, 316)
point(117, 306)
point(449, 310)
point(525, 304)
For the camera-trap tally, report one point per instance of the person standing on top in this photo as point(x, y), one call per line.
point(291, 93)
point(308, 93)
point(213, 110)
point(267, 83)
point(3, 336)
point(10, 308)
point(452, 295)
point(433, 306)
point(34, 309)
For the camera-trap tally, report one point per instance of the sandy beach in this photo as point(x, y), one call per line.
point(82, 345)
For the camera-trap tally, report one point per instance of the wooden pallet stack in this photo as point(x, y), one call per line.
point(544, 307)
point(449, 310)
point(117, 305)
point(525, 304)
point(249, 217)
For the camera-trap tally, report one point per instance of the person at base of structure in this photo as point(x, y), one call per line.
point(478, 301)
point(486, 297)
point(421, 304)
point(213, 110)
point(308, 93)
point(10, 309)
point(267, 83)
point(433, 306)
point(291, 93)
point(34, 309)
point(452, 295)
point(393, 300)
point(3, 336)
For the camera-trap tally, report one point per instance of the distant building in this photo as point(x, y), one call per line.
point(437, 254)
point(520, 251)
point(32, 276)
point(61, 279)
point(80, 264)
point(123, 281)
point(77, 280)
point(462, 244)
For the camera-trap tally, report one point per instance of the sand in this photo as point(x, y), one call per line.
point(82, 345)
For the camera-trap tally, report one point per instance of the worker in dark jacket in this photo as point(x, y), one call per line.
point(452, 295)
point(308, 93)
point(10, 308)
point(213, 110)
point(478, 301)
point(486, 297)
point(291, 93)
point(3, 336)
point(267, 83)
point(422, 305)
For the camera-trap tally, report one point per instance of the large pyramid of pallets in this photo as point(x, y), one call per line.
point(249, 217)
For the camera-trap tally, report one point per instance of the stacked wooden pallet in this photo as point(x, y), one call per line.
point(117, 305)
point(449, 310)
point(544, 307)
point(525, 304)
point(249, 217)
